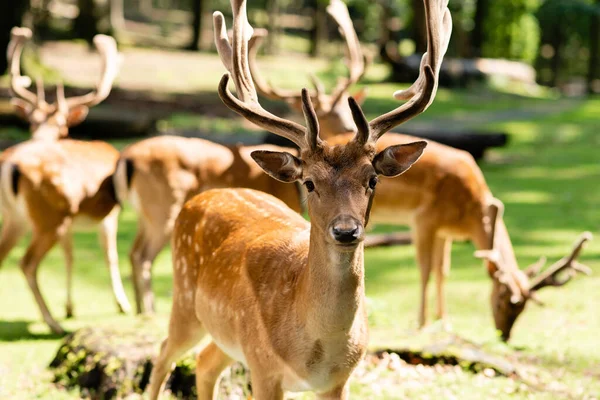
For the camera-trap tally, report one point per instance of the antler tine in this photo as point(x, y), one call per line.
point(422, 92)
point(247, 105)
point(107, 47)
point(39, 86)
point(18, 83)
point(264, 87)
point(355, 60)
point(549, 277)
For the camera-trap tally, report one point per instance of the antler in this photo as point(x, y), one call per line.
point(356, 63)
point(235, 58)
point(355, 60)
point(107, 47)
point(262, 86)
point(568, 263)
point(18, 83)
point(422, 92)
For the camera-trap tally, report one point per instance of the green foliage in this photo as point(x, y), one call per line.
point(512, 30)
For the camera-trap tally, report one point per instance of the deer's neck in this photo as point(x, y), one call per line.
point(334, 286)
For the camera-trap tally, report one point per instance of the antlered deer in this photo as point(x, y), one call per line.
point(332, 109)
point(48, 185)
point(281, 295)
point(445, 197)
point(159, 174)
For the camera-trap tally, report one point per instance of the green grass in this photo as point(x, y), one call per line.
point(549, 181)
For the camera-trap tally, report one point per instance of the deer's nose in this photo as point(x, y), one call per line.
point(346, 229)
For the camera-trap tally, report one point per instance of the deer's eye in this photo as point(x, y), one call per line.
point(373, 182)
point(310, 186)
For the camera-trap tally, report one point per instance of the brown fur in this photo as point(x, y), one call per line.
point(60, 182)
point(169, 170)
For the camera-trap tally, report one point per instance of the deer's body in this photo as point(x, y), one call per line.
point(158, 175)
point(246, 243)
point(51, 185)
point(53, 188)
point(282, 296)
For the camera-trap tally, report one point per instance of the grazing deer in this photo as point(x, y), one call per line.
point(332, 109)
point(49, 185)
point(445, 197)
point(281, 295)
point(159, 174)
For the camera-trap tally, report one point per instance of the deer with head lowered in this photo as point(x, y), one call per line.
point(48, 185)
point(158, 175)
point(332, 109)
point(283, 296)
point(444, 197)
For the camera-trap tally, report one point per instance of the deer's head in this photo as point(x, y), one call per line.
point(341, 180)
point(513, 288)
point(51, 121)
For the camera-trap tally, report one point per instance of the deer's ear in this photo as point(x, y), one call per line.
point(397, 159)
point(22, 108)
point(280, 165)
point(77, 115)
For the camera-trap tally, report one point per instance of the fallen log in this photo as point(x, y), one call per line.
point(387, 239)
point(110, 362)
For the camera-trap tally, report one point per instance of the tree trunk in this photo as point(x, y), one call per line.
point(86, 23)
point(318, 29)
point(117, 15)
point(198, 10)
point(557, 58)
point(419, 26)
point(594, 50)
point(478, 33)
point(273, 10)
point(11, 14)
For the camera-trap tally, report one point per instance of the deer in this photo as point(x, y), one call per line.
point(158, 175)
point(284, 296)
point(332, 111)
point(52, 186)
point(445, 198)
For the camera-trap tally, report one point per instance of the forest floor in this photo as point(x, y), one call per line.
point(547, 177)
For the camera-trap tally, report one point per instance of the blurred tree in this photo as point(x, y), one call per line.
point(478, 32)
point(511, 30)
point(419, 26)
point(273, 10)
point(85, 25)
point(11, 14)
point(319, 26)
point(594, 49)
point(198, 11)
point(116, 15)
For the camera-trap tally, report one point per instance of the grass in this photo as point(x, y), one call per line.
point(548, 179)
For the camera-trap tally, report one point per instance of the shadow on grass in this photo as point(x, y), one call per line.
point(14, 331)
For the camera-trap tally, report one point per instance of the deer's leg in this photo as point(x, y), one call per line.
point(210, 362)
point(66, 242)
point(135, 255)
point(108, 240)
point(148, 248)
point(40, 244)
point(442, 255)
point(184, 333)
point(339, 393)
point(12, 230)
point(424, 241)
point(265, 388)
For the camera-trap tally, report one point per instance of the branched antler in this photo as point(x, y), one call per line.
point(355, 61)
point(568, 264)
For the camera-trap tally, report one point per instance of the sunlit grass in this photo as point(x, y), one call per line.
point(548, 178)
